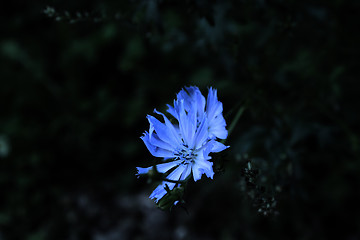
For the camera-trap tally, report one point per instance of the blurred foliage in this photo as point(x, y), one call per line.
point(78, 78)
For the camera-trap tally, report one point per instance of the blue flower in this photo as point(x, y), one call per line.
point(185, 146)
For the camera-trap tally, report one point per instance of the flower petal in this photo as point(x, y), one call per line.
point(164, 167)
point(202, 133)
point(173, 110)
point(196, 172)
point(217, 128)
point(154, 150)
point(160, 191)
point(205, 167)
point(174, 133)
point(213, 106)
point(187, 124)
point(163, 131)
point(186, 172)
point(199, 100)
point(141, 170)
point(156, 141)
point(192, 96)
point(218, 147)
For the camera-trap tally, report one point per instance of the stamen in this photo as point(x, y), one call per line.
point(187, 155)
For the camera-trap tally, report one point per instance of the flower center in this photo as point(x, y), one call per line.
point(186, 154)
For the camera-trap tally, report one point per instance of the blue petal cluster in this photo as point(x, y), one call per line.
point(185, 145)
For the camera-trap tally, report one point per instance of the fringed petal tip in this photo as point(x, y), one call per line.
point(158, 193)
point(143, 135)
point(156, 200)
point(210, 174)
point(218, 146)
point(142, 171)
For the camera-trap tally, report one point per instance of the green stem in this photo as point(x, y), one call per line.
point(235, 120)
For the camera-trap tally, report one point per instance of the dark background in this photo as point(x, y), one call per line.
point(77, 81)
